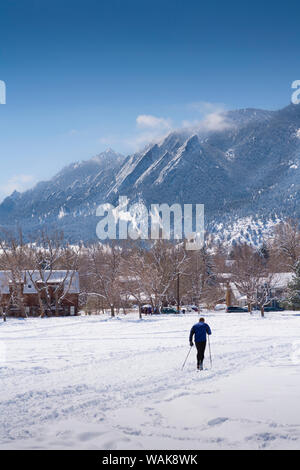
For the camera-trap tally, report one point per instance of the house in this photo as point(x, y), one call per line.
point(54, 292)
point(278, 288)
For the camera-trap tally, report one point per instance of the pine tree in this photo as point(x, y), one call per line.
point(294, 288)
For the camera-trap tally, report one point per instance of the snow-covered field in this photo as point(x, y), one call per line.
point(101, 383)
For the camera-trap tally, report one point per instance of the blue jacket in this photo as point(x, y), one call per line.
point(200, 330)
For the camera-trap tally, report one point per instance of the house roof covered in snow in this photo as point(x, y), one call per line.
point(70, 280)
point(281, 280)
point(278, 281)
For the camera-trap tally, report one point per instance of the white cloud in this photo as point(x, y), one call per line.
point(148, 129)
point(145, 121)
point(17, 183)
point(153, 128)
point(136, 142)
point(211, 122)
point(207, 117)
point(213, 117)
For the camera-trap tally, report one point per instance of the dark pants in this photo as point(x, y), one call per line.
point(200, 351)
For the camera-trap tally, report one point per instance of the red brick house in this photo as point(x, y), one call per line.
point(53, 292)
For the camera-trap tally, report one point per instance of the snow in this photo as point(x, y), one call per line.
point(70, 279)
point(230, 154)
point(101, 383)
point(245, 230)
point(62, 213)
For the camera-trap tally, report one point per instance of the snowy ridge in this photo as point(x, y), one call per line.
point(247, 170)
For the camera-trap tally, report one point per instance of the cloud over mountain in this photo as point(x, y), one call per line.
point(243, 165)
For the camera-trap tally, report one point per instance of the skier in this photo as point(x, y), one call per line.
point(200, 330)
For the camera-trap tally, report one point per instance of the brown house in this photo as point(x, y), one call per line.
point(36, 293)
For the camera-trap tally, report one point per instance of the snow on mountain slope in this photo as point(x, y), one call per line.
point(248, 169)
point(62, 202)
point(249, 230)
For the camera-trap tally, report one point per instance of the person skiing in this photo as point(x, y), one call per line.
point(200, 330)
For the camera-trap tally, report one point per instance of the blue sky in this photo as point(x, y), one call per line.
point(82, 76)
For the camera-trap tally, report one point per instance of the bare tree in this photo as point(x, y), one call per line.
point(286, 243)
point(252, 276)
point(164, 262)
point(134, 277)
point(104, 273)
point(46, 256)
point(246, 271)
point(13, 261)
point(202, 276)
point(265, 292)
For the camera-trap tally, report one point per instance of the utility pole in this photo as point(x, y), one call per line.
point(178, 293)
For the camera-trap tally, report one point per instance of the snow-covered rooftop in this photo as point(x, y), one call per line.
point(70, 279)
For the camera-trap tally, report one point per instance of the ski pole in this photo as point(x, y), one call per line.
point(186, 357)
point(209, 351)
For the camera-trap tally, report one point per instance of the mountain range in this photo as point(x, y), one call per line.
point(246, 174)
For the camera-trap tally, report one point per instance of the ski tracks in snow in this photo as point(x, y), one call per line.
point(100, 383)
